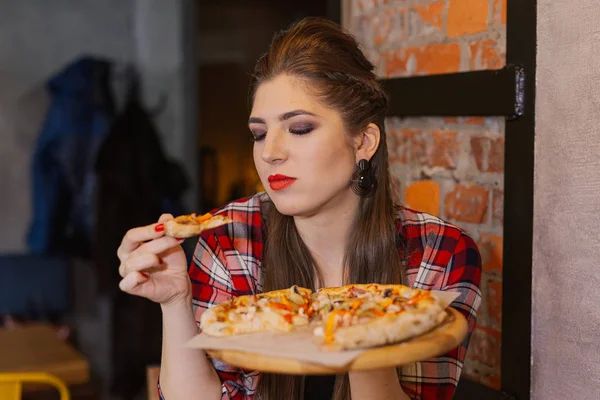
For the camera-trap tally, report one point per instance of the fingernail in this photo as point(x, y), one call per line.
point(160, 261)
point(145, 275)
point(159, 228)
point(180, 239)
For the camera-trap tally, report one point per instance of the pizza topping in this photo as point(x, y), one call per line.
point(422, 295)
point(279, 306)
point(330, 325)
point(377, 311)
point(395, 308)
point(356, 304)
point(309, 310)
point(336, 308)
point(386, 302)
point(357, 291)
point(192, 219)
point(296, 297)
point(362, 304)
point(203, 218)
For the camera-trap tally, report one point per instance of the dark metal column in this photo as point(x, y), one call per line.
point(518, 207)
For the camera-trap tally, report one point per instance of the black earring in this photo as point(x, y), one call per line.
point(363, 182)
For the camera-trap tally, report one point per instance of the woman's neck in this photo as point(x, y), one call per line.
point(326, 236)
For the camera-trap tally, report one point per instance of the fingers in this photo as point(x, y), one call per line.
point(132, 281)
point(165, 217)
point(136, 236)
point(158, 246)
point(139, 263)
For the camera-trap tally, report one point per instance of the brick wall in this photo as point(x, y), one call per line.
point(449, 167)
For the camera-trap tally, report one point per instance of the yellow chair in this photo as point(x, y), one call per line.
point(152, 373)
point(11, 384)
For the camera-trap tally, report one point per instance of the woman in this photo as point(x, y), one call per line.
point(326, 219)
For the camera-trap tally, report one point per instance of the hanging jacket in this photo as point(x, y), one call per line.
point(136, 183)
point(63, 178)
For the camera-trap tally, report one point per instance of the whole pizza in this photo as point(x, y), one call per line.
point(346, 317)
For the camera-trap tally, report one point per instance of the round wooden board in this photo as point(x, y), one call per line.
point(436, 342)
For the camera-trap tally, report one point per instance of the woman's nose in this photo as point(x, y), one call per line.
point(275, 147)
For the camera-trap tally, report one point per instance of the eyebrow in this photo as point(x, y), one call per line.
point(282, 117)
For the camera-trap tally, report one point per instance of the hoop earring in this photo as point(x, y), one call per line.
point(363, 182)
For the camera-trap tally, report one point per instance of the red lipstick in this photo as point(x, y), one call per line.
point(280, 182)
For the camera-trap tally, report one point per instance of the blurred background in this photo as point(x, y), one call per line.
point(111, 113)
point(115, 111)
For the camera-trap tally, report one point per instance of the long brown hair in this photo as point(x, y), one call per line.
point(329, 61)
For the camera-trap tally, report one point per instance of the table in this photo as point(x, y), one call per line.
point(36, 347)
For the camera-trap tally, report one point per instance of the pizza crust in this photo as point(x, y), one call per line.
point(266, 322)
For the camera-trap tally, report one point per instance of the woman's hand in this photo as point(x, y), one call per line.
point(153, 265)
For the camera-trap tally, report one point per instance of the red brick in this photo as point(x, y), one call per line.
point(485, 346)
point(438, 58)
point(499, 13)
point(465, 120)
point(488, 153)
point(424, 196)
point(466, 17)
point(491, 380)
point(485, 55)
point(494, 301)
point(436, 148)
point(407, 145)
point(417, 150)
point(498, 207)
point(473, 120)
point(425, 19)
point(431, 13)
point(444, 149)
point(480, 150)
point(467, 204)
point(490, 247)
point(496, 156)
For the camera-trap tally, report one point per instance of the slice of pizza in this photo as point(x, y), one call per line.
point(356, 316)
point(186, 226)
point(275, 311)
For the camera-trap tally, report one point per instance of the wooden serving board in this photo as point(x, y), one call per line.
point(436, 342)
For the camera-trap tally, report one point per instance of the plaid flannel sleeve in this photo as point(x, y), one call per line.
point(437, 378)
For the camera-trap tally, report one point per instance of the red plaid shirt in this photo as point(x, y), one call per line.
point(227, 263)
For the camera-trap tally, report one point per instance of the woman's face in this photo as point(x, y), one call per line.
point(301, 150)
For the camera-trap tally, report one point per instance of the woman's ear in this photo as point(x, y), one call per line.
point(368, 142)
